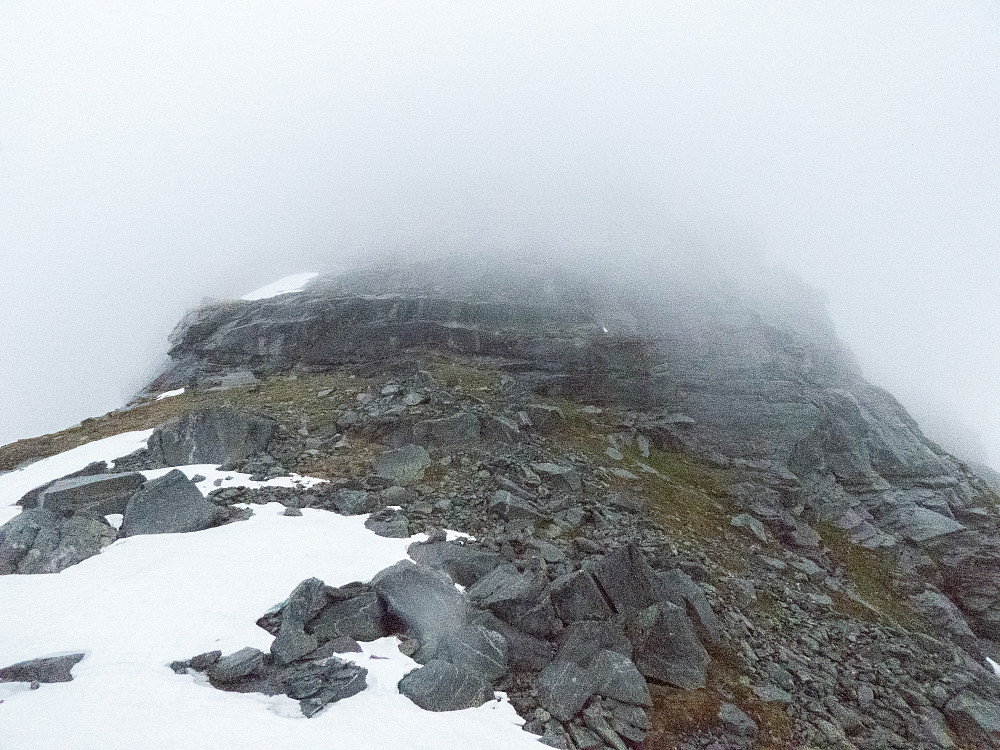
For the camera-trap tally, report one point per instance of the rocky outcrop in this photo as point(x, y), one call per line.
point(40, 541)
point(46, 669)
point(214, 436)
point(169, 505)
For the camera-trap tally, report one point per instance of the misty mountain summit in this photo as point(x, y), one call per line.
point(468, 503)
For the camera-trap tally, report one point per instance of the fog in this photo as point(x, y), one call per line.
point(155, 154)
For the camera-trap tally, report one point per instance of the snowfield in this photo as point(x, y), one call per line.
point(287, 285)
point(148, 600)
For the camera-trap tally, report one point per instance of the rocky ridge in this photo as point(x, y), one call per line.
point(710, 499)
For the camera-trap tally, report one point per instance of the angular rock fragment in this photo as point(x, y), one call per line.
point(361, 617)
point(618, 678)
point(95, 496)
point(576, 596)
point(316, 683)
point(403, 466)
point(666, 647)
point(169, 505)
point(47, 669)
point(389, 523)
point(465, 564)
point(564, 688)
point(235, 666)
point(304, 603)
point(442, 686)
point(627, 580)
point(39, 541)
point(461, 429)
point(424, 601)
point(521, 599)
point(480, 651)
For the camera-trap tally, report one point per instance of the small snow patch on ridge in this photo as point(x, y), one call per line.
point(287, 285)
point(169, 394)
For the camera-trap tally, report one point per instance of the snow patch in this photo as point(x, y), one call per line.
point(213, 474)
point(148, 600)
point(994, 666)
point(170, 394)
point(287, 285)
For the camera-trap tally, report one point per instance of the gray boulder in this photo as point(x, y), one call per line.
point(461, 429)
point(30, 499)
point(677, 587)
point(546, 418)
point(169, 505)
point(525, 652)
point(736, 720)
point(923, 525)
point(304, 603)
point(480, 651)
point(40, 541)
point(389, 523)
point(564, 688)
point(92, 496)
point(47, 669)
point(424, 600)
point(512, 508)
point(214, 436)
point(582, 641)
point(442, 686)
point(521, 599)
point(500, 429)
point(627, 580)
point(666, 647)
point(465, 564)
point(360, 617)
point(317, 683)
point(576, 596)
point(560, 477)
point(243, 663)
point(403, 466)
point(618, 678)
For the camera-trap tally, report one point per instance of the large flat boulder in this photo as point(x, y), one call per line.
point(443, 686)
point(213, 436)
point(627, 580)
point(40, 541)
point(666, 647)
point(465, 564)
point(403, 466)
point(564, 688)
point(519, 598)
point(424, 600)
point(169, 505)
point(95, 496)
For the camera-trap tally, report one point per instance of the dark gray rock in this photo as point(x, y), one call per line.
point(353, 502)
point(30, 499)
point(618, 678)
point(465, 564)
point(403, 466)
point(582, 641)
point(169, 505)
point(198, 663)
point(576, 596)
point(521, 599)
point(525, 652)
point(316, 683)
point(679, 588)
point(666, 647)
point(737, 721)
point(95, 496)
point(237, 665)
point(627, 580)
point(500, 429)
point(975, 718)
point(461, 429)
point(424, 601)
point(545, 418)
point(564, 688)
point(560, 477)
point(442, 686)
point(39, 541)
point(47, 669)
point(512, 508)
point(480, 651)
point(389, 523)
point(361, 617)
point(305, 602)
point(214, 436)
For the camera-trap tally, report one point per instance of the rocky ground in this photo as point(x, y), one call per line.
point(628, 583)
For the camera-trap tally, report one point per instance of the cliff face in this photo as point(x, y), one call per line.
point(754, 381)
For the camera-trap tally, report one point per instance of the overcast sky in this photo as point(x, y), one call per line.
point(152, 154)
